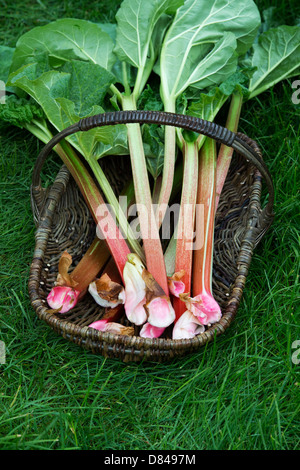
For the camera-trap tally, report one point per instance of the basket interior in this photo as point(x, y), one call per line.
point(73, 229)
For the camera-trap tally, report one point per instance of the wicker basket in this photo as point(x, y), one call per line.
point(64, 223)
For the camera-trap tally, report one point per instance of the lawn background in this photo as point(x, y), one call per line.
point(239, 392)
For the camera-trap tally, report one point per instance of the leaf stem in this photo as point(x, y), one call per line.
point(168, 169)
point(225, 153)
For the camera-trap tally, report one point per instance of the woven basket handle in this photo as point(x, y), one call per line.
point(239, 142)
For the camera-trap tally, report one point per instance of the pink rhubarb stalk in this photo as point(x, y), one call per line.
point(203, 304)
point(186, 221)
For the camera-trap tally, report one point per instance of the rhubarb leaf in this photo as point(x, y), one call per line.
point(276, 56)
point(201, 35)
point(64, 40)
point(136, 22)
point(66, 97)
point(208, 104)
point(140, 29)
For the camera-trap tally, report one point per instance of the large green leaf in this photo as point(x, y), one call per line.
point(276, 56)
point(136, 22)
point(214, 68)
point(69, 96)
point(98, 142)
point(63, 40)
point(198, 27)
point(140, 29)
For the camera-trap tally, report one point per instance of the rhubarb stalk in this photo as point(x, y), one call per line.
point(106, 223)
point(225, 153)
point(149, 230)
point(90, 264)
point(186, 222)
point(203, 305)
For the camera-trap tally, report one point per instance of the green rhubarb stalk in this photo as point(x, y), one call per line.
point(149, 230)
point(225, 153)
point(168, 169)
point(156, 190)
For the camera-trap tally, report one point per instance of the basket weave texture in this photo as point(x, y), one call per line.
point(64, 222)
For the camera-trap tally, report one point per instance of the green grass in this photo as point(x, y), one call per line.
point(239, 392)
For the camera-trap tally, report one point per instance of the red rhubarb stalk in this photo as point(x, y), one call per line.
point(203, 305)
point(186, 221)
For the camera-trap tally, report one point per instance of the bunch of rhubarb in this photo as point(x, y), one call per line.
point(150, 266)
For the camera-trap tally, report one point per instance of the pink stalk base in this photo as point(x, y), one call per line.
point(150, 331)
point(135, 290)
point(112, 327)
point(205, 308)
point(160, 312)
point(62, 298)
point(176, 285)
point(145, 299)
point(187, 326)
